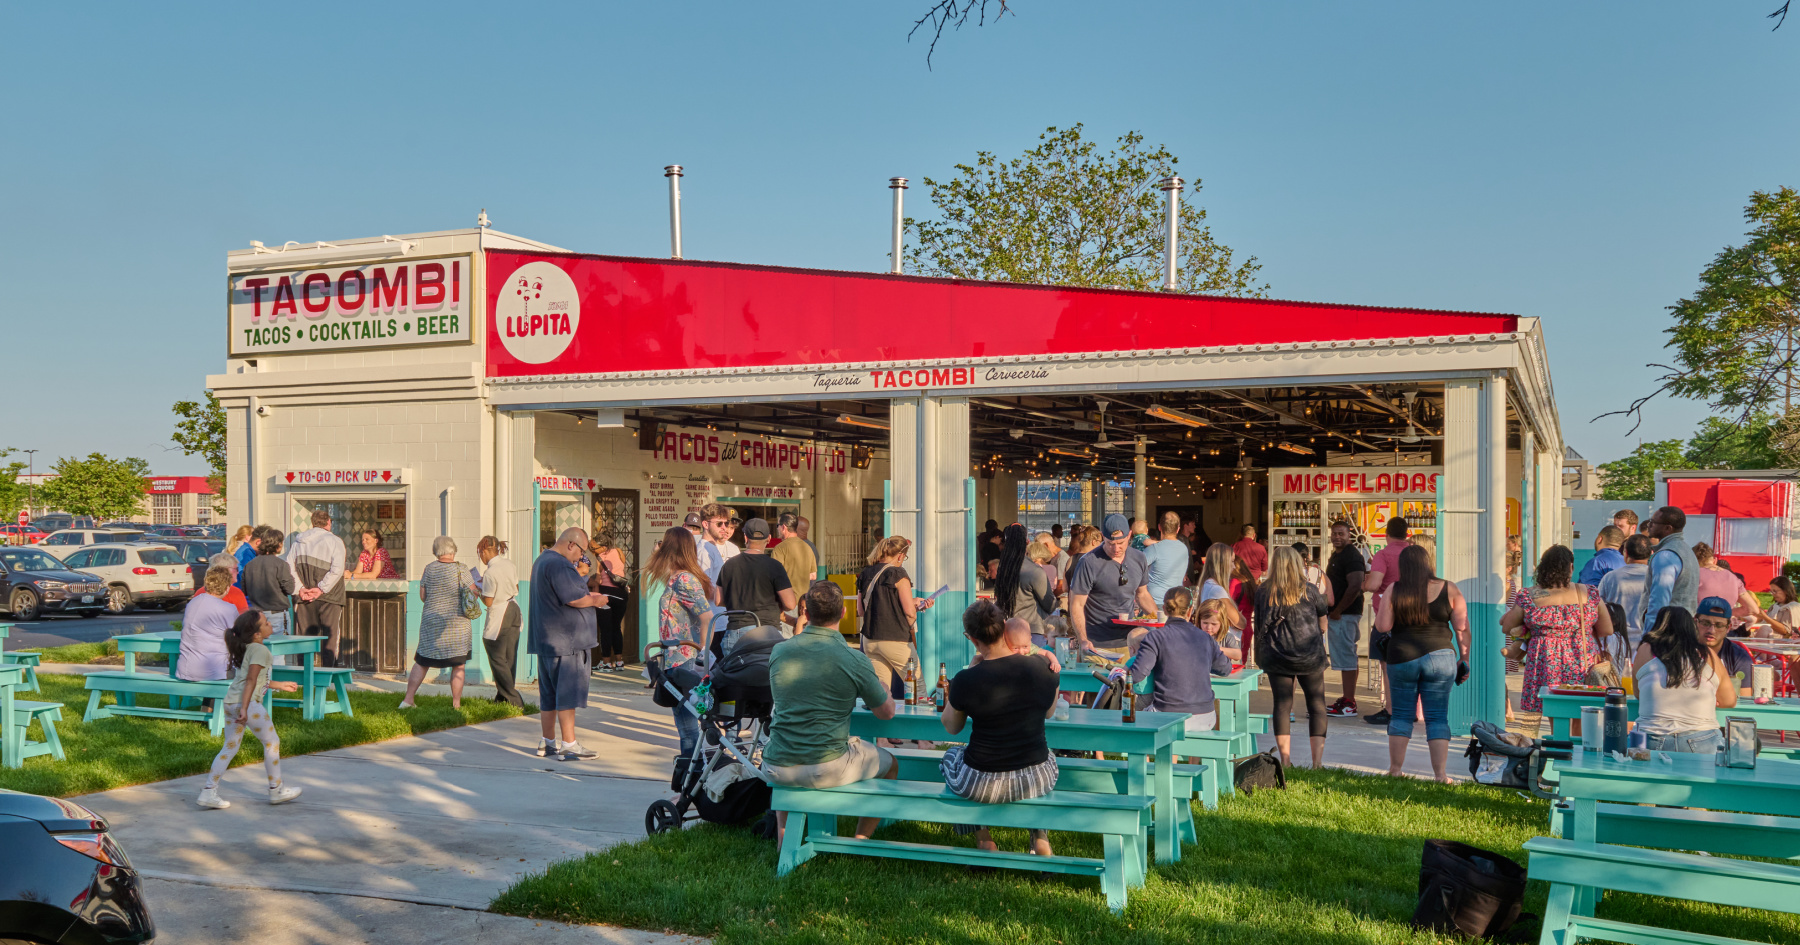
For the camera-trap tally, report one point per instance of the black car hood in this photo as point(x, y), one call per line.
point(54, 813)
point(60, 574)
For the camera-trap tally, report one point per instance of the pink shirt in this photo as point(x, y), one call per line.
point(1722, 584)
point(1387, 561)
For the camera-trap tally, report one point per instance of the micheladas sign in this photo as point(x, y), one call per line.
point(377, 305)
point(1372, 481)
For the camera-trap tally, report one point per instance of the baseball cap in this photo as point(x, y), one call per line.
point(1714, 607)
point(693, 520)
point(756, 528)
point(1114, 527)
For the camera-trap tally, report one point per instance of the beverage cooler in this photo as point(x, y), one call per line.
point(1747, 521)
point(1303, 503)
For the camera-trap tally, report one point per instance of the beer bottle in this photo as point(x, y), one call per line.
point(912, 685)
point(1127, 702)
point(941, 698)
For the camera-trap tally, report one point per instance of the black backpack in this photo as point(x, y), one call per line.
point(1258, 771)
point(1467, 891)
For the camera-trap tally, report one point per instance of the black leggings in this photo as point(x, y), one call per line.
point(611, 619)
point(1283, 688)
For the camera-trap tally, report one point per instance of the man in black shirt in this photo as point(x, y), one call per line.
point(1345, 572)
point(755, 582)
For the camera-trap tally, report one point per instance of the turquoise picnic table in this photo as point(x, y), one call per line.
point(1232, 692)
point(311, 703)
point(1781, 715)
point(1150, 738)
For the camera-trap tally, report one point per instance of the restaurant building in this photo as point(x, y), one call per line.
point(470, 382)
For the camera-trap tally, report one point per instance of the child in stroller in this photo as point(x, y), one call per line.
point(717, 779)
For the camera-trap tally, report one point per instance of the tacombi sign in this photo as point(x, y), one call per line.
point(406, 302)
point(344, 477)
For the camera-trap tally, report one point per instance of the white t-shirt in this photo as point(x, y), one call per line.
point(1210, 590)
point(1690, 707)
point(501, 582)
point(727, 549)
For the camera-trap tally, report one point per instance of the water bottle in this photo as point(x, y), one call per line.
point(1613, 722)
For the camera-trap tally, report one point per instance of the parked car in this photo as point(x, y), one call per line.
point(51, 521)
point(21, 534)
point(165, 531)
point(65, 878)
point(65, 540)
point(136, 573)
point(34, 583)
point(196, 552)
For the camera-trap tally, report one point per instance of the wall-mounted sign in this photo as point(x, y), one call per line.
point(565, 484)
point(385, 304)
point(712, 449)
point(1376, 482)
point(771, 494)
point(344, 477)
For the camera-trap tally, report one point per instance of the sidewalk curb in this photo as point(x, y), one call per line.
point(195, 880)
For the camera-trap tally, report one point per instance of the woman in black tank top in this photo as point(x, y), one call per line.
point(1429, 621)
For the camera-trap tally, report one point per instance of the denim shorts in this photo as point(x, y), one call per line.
point(1705, 741)
point(1426, 680)
point(563, 681)
point(1345, 632)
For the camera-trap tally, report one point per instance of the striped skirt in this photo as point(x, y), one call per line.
point(996, 787)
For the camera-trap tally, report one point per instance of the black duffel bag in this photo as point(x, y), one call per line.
point(1258, 772)
point(1467, 891)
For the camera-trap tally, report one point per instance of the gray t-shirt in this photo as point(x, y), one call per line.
point(1111, 588)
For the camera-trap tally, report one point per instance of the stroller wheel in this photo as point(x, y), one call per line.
point(662, 817)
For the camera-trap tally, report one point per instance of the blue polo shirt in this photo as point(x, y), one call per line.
point(555, 628)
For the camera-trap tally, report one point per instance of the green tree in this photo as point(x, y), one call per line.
point(1736, 340)
point(13, 493)
point(1721, 444)
point(100, 486)
point(1634, 477)
point(1064, 213)
point(201, 432)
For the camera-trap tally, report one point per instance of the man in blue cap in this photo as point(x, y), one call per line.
point(1714, 620)
point(1110, 584)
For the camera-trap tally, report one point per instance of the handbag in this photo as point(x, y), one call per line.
point(1468, 892)
point(1258, 772)
point(468, 597)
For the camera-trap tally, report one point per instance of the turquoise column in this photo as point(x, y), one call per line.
point(527, 661)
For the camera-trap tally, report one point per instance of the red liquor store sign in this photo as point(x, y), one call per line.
point(559, 314)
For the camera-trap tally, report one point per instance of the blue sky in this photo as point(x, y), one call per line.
point(1576, 162)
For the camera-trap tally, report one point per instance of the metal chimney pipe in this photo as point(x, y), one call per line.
point(673, 173)
point(1171, 186)
point(898, 186)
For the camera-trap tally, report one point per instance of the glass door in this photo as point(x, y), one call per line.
point(616, 522)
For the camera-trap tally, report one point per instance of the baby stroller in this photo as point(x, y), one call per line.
point(719, 781)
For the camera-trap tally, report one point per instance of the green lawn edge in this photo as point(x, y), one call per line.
point(122, 751)
point(1334, 860)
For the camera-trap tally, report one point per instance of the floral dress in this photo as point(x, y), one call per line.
point(379, 562)
point(682, 615)
point(1562, 646)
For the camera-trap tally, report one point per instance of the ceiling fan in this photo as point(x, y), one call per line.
point(1101, 441)
point(1412, 430)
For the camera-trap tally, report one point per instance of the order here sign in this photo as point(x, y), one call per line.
point(393, 303)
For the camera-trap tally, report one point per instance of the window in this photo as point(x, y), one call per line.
point(78, 560)
point(165, 509)
point(160, 556)
point(66, 538)
point(109, 557)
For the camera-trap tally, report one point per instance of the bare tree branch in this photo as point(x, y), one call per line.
point(1779, 16)
point(955, 13)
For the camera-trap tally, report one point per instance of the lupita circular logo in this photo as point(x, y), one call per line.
point(538, 312)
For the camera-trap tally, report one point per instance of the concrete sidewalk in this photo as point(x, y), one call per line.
point(410, 834)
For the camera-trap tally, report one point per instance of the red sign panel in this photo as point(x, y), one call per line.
point(577, 314)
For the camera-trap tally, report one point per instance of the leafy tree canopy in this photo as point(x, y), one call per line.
point(13, 493)
point(1066, 213)
point(99, 485)
point(1717, 444)
point(200, 431)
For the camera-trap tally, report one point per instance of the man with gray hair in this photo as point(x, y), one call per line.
point(562, 633)
point(317, 557)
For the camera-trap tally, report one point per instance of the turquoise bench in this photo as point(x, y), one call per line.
point(31, 662)
point(46, 714)
point(1218, 750)
point(1121, 820)
point(151, 684)
point(1091, 775)
point(332, 688)
point(1676, 828)
point(1571, 867)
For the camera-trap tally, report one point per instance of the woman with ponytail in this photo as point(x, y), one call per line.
point(1021, 589)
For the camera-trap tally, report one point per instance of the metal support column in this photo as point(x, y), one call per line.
point(1472, 542)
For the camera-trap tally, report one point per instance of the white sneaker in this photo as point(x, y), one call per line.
point(282, 795)
point(546, 748)
point(572, 751)
point(210, 799)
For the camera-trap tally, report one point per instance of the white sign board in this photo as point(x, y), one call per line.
point(387, 304)
point(344, 477)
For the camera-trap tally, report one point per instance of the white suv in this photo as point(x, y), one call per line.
point(136, 573)
point(65, 540)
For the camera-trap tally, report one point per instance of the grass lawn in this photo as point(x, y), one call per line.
point(1333, 859)
point(115, 752)
point(107, 650)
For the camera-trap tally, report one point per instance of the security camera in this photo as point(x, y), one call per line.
point(262, 410)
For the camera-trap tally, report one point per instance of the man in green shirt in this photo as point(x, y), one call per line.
point(816, 680)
